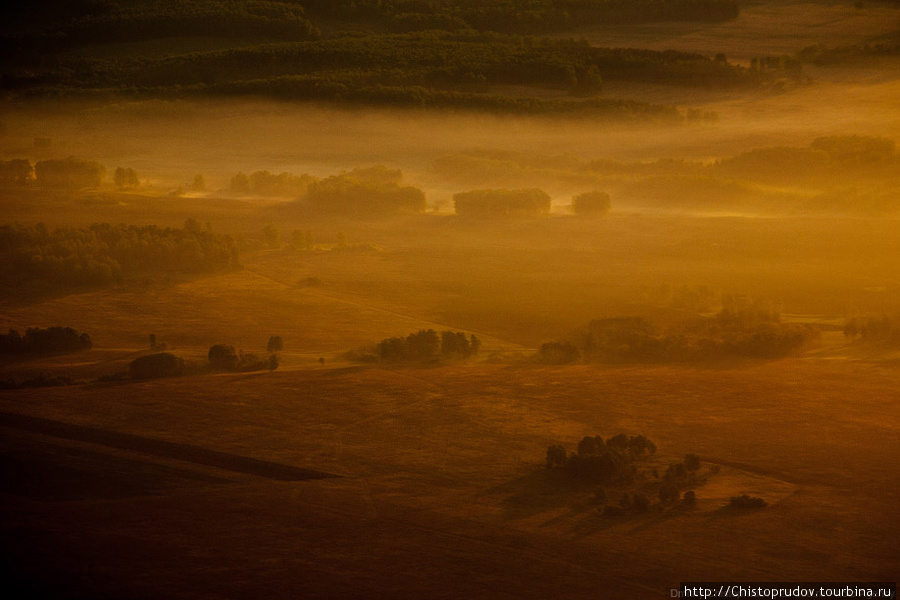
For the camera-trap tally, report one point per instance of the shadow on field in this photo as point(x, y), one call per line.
point(541, 491)
point(135, 443)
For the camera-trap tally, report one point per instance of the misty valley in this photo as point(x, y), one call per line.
point(402, 299)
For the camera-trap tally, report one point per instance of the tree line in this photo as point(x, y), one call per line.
point(522, 16)
point(732, 333)
point(68, 173)
point(39, 341)
point(426, 345)
point(436, 59)
point(501, 203)
point(435, 68)
point(102, 254)
point(883, 331)
point(112, 21)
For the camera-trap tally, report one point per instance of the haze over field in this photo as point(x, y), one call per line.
point(554, 299)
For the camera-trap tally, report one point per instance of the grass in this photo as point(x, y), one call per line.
point(430, 457)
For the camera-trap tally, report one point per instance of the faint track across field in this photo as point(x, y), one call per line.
point(160, 448)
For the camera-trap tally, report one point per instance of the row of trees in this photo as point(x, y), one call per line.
point(520, 15)
point(120, 21)
point(373, 191)
point(224, 357)
point(264, 183)
point(867, 163)
point(38, 341)
point(378, 190)
point(221, 357)
point(102, 254)
point(334, 87)
point(69, 173)
point(427, 68)
point(745, 333)
point(501, 203)
point(427, 346)
point(432, 59)
point(883, 331)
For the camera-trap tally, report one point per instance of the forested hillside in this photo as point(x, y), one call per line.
point(458, 54)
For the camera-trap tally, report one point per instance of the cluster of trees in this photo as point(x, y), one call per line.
point(788, 66)
point(126, 178)
point(502, 203)
point(745, 333)
point(881, 331)
point(224, 357)
point(558, 353)
point(825, 159)
point(17, 171)
point(69, 173)
point(677, 477)
point(613, 462)
point(38, 341)
point(599, 461)
point(103, 254)
point(747, 502)
point(427, 346)
point(373, 191)
point(264, 183)
point(154, 366)
point(591, 203)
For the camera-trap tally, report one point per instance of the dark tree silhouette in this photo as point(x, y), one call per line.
point(162, 364)
point(691, 462)
point(558, 353)
point(591, 203)
point(223, 357)
point(53, 340)
point(71, 173)
point(640, 502)
point(275, 344)
point(745, 502)
point(125, 178)
point(556, 456)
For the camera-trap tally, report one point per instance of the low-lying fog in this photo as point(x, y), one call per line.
point(168, 142)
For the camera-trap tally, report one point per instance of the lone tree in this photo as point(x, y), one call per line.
point(691, 462)
point(591, 203)
point(275, 344)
